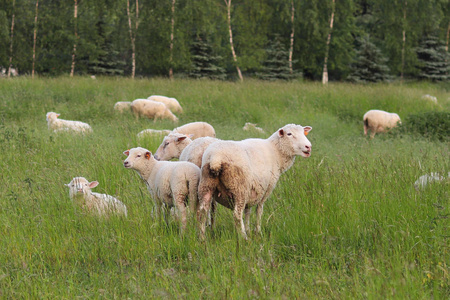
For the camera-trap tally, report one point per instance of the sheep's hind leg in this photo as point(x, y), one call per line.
point(259, 212)
point(238, 221)
point(181, 208)
point(203, 211)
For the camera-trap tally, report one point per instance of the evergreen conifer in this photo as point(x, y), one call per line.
point(434, 59)
point(204, 64)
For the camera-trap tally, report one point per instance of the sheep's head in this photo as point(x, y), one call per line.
point(172, 146)
point(135, 157)
point(292, 140)
point(51, 116)
point(80, 187)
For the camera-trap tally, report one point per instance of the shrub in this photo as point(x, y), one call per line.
point(432, 124)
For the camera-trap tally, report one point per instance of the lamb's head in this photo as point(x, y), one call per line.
point(80, 187)
point(137, 158)
point(172, 146)
point(396, 119)
point(51, 116)
point(291, 140)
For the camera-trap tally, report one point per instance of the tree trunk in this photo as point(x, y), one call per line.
point(327, 49)
point(75, 16)
point(228, 3)
point(171, 40)
point(133, 36)
point(291, 48)
point(448, 34)
point(12, 38)
point(34, 38)
point(403, 41)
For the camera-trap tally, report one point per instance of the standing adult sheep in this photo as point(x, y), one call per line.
point(152, 110)
point(378, 121)
point(171, 103)
point(242, 174)
point(196, 129)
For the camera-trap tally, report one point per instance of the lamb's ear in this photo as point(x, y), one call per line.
point(93, 184)
point(307, 129)
point(67, 184)
point(181, 138)
point(148, 154)
point(57, 115)
point(126, 152)
point(281, 132)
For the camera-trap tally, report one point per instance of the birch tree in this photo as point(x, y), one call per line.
point(233, 53)
point(327, 48)
point(291, 48)
point(402, 69)
point(133, 32)
point(11, 38)
point(34, 38)
point(172, 28)
point(75, 17)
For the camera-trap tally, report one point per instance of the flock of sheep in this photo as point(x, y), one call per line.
point(235, 174)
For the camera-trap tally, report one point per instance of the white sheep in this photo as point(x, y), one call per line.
point(122, 106)
point(426, 179)
point(197, 129)
point(153, 132)
point(379, 121)
point(242, 174)
point(430, 98)
point(100, 204)
point(252, 127)
point(152, 110)
point(170, 183)
point(171, 103)
point(58, 125)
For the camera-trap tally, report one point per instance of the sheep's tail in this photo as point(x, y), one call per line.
point(366, 125)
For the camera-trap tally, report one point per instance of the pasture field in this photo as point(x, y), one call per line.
point(345, 223)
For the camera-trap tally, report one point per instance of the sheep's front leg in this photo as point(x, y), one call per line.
point(259, 212)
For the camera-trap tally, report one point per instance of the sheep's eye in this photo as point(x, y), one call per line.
point(138, 155)
point(289, 133)
point(166, 144)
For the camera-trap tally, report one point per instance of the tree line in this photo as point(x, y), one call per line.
point(157, 38)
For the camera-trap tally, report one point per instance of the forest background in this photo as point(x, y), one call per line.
point(156, 38)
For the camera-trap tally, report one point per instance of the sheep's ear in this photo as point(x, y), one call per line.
point(181, 138)
point(281, 132)
point(57, 115)
point(148, 154)
point(307, 129)
point(67, 184)
point(93, 184)
point(127, 152)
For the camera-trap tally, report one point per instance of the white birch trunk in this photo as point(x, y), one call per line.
point(34, 38)
point(12, 39)
point(327, 49)
point(403, 41)
point(133, 36)
point(75, 16)
point(291, 48)
point(171, 39)
point(228, 3)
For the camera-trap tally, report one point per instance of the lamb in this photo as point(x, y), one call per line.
point(170, 183)
point(379, 121)
point(242, 174)
point(252, 127)
point(426, 179)
point(58, 125)
point(153, 132)
point(171, 103)
point(197, 129)
point(99, 204)
point(177, 145)
point(152, 109)
point(122, 106)
point(430, 98)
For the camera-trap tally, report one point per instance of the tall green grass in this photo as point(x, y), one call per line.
point(344, 223)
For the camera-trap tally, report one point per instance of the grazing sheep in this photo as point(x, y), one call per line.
point(100, 204)
point(379, 121)
point(171, 103)
point(153, 132)
point(152, 110)
point(197, 129)
point(58, 125)
point(241, 174)
point(122, 106)
point(430, 98)
point(252, 127)
point(426, 179)
point(170, 183)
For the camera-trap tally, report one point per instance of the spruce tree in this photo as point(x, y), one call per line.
point(434, 59)
point(204, 64)
point(369, 65)
point(276, 65)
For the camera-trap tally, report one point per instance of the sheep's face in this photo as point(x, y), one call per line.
point(293, 140)
point(135, 157)
point(172, 146)
point(51, 116)
point(80, 187)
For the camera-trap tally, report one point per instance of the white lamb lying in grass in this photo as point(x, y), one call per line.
point(171, 103)
point(379, 121)
point(252, 127)
point(100, 204)
point(153, 132)
point(58, 125)
point(196, 129)
point(170, 183)
point(426, 179)
point(122, 106)
point(242, 174)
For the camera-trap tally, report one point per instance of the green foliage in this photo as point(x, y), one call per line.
point(204, 63)
point(370, 64)
point(434, 59)
point(431, 124)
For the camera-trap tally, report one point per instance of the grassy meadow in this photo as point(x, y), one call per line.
point(345, 223)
